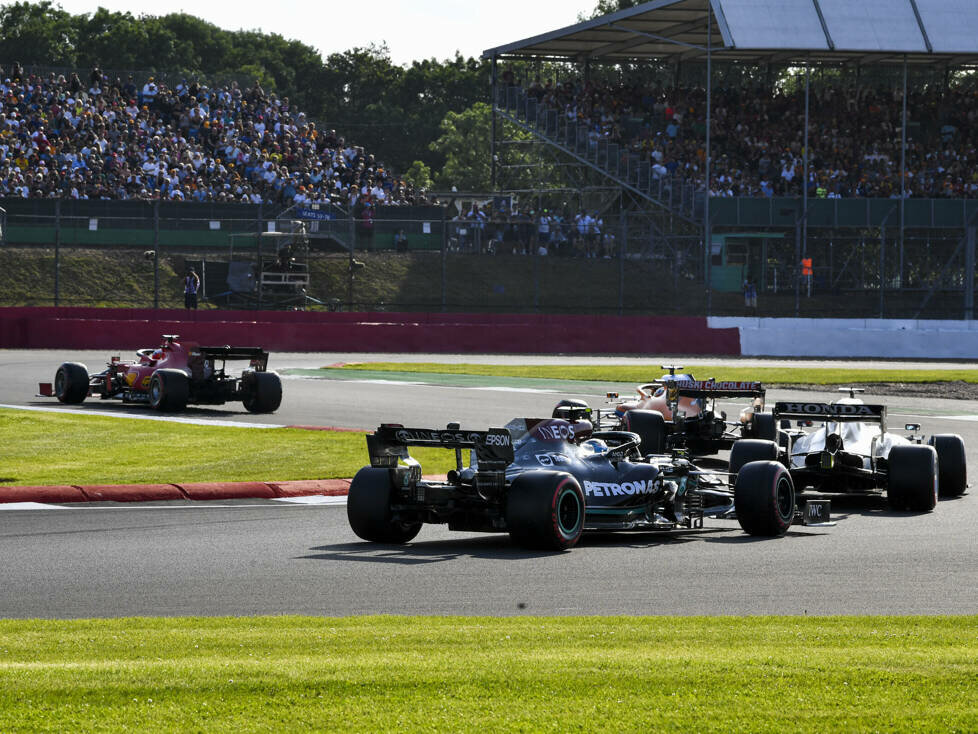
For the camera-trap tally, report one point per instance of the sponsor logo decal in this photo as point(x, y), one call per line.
point(552, 459)
point(714, 385)
point(146, 381)
point(826, 409)
point(497, 439)
point(491, 439)
point(614, 489)
point(556, 431)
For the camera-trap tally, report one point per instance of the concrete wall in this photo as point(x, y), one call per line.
point(884, 338)
point(117, 329)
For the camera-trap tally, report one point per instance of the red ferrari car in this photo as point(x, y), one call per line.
point(172, 376)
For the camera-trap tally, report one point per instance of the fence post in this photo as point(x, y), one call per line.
point(882, 268)
point(156, 253)
point(444, 267)
point(57, 251)
point(622, 244)
point(349, 284)
point(969, 274)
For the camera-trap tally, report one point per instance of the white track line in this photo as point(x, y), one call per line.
point(316, 499)
point(29, 506)
point(133, 416)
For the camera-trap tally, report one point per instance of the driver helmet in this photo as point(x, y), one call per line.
point(157, 354)
point(595, 446)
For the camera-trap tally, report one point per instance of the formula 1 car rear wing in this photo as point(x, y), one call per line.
point(493, 448)
point(256, 355)
point(714, 389)
point(846, 412)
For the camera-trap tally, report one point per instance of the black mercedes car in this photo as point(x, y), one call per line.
point(546, 480)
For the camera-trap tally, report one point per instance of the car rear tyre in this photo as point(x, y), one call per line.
point(650, 427)
point(912, 481)
point(71, 383)
point(368, 509)
point(952, 465)
point(747, 450)
point(545, 510)
point(264, 393)
point(169, 390)
point(764, 498)
point(765, 427)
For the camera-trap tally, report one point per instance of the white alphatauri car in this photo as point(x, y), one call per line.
point(851, 451)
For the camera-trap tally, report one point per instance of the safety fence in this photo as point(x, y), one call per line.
point(438, 259)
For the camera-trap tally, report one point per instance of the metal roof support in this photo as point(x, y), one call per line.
point(804, 183)
point(708, 235)
point(903, 165)
point(492, 138)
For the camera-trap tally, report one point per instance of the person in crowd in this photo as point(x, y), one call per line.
point(60, 137)
point(191, 284)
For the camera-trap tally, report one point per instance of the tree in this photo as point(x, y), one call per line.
point(36, 33)
point(604, 7)
point(465, 144)
point(419, 175)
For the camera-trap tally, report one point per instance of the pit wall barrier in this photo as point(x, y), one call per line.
point(306, 331)
point(853, 338)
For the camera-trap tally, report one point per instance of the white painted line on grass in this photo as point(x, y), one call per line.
point(164, 418)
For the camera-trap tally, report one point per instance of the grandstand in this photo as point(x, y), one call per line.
point(815, 139)
point(783, 157)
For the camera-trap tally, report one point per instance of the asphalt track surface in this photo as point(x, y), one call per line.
point(266, 557)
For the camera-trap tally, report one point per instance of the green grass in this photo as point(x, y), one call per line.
point(48, 448)
point(638, 674)
point(646, 373)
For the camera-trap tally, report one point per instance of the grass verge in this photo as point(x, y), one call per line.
point(647, 373)
point(756, 674)
point(48, 448)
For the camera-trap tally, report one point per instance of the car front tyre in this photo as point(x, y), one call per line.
point(169, 390)
point(71, 383)
point(746, 450)
point(764, 498)
point(952, 464)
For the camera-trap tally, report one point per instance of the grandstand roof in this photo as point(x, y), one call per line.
point(778, 31)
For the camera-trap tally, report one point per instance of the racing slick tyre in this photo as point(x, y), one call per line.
point(764, 498)
point(952, 466)
point(572, 403)
point(747, 450)
point(368, 509)
point(912, 481)
point(545, 510)
point(169, 390)
point(765, 427)
point(71, 383)
point(263, 393)
point(650, 427)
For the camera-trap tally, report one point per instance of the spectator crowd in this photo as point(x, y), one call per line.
point(855, 136)
point(526, 231)
point(62, 137)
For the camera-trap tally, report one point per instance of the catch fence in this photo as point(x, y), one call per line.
point(422, 259)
